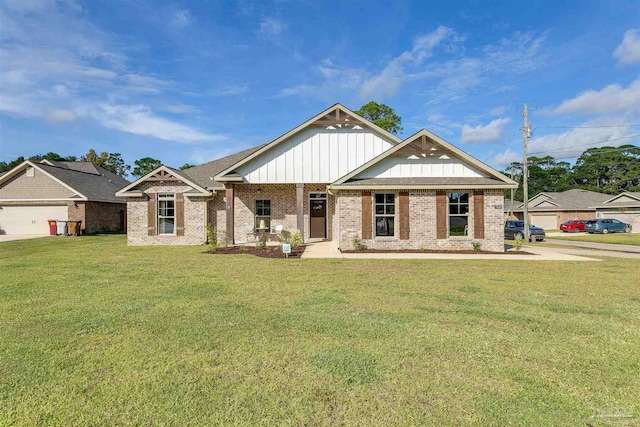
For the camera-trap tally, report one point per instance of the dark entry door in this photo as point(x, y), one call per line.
point(318, 219)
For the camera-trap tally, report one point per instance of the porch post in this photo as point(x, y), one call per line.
point(300, 208)
point(229, 196)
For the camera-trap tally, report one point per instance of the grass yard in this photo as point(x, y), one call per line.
point(93, 332)
point(613, 238)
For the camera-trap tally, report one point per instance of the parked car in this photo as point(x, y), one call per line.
point(573, 226)
point(605, 226)
point(514, 230)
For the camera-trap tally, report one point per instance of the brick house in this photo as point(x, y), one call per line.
point(336, 177)
point(32, 193)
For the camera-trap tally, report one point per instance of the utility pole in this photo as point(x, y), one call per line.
point(526, 133)
point(511, 205)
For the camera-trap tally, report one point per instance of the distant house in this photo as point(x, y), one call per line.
point(510, 207)
point(550, 209)
point(336, 176)
point(625, 207)
point(32, 193)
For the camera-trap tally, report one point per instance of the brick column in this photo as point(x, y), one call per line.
point(229, 212)
point(300, 208)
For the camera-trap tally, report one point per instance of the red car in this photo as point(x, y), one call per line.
point(573, 226)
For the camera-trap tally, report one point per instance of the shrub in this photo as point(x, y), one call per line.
point(212, 242)
point(358, 244)
point(262, 241)
point(422, 248)
point(296, 239)
point(517, 244)
point(476, 246)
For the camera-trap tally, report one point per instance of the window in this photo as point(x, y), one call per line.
point(166, 213)
point(263, 215)
point(458, 214)
point(31, 172)
point(385, 211)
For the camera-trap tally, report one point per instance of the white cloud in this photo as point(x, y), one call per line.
point(629, 50)
point(181, 19)
point(505, 159)
point(140, 120)
point(611, 99)
point(573, 142)
point(57, 115)
point(488, 133)
point(271, 26)
point(498, 111)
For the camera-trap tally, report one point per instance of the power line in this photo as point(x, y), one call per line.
point(586, 127)
point(584, 145)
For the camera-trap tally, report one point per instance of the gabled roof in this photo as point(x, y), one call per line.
point(570, 200)
point(162, 173)
point(337, 115)
point(88, 182)
point(613, 203)
point(424, 143)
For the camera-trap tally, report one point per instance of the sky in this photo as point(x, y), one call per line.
point(188, 82)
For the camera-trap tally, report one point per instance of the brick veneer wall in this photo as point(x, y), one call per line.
point(100, 217)
point(283, 208)
point(422, 220)
point(194, 217)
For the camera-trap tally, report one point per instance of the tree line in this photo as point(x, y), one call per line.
point(608, 170)
point(112, 162)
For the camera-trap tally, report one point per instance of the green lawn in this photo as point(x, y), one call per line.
point(613, 238)
point(93, 332)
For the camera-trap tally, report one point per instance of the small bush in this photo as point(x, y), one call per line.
point(358, 244)
point(262, 241)
point(517, 244)
point(476, 246)
point(296, 239)
point(212, 242)
point(422, 248)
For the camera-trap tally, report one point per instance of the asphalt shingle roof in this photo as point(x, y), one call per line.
point(574, 199)
point(96, 183)
point(202, 174)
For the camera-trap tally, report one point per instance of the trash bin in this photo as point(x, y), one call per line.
point(62, 227)
point(72, 228)
point(53, 228)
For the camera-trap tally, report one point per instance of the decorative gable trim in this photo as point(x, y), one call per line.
point(337, 116)
point(425, 143)
point(161, 174)
point(27, 163)
point(624, 194)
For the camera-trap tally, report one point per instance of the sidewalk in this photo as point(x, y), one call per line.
point(592, 245)
point(328, 249)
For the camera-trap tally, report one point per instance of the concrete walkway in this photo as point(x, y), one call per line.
point(328, 249)
point(12, 237)
point(599, 246)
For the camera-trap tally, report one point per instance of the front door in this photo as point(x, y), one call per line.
point(318, 219)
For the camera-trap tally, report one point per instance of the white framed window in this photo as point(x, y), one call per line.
point(166, 213)
point(385, 214)
point(458, 214)
point(263, 215)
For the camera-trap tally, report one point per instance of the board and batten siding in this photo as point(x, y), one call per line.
point(315, 155)
point(424, 167)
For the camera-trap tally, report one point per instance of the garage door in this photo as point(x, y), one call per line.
point(29, 219)
point(632, 218)
point(545, 221)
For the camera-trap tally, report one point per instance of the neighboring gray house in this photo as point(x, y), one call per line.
point(336, 176)
point(32, 193)
point(550, 209)
point(624, 207)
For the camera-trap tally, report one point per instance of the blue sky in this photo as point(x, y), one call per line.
point(193, 81)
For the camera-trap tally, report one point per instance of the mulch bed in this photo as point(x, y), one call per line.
point(432, 251)
point(268, 252)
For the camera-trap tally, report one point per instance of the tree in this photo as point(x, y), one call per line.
point(145, 165)
point(7, 166)
point(381, 115)
point(608, 169)
point(545, 174)
point(54, 157)
point(112, 162)
point(187, 166)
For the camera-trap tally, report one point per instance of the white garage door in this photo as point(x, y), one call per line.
point(545, 221)
point(628, 217)
point(29, 219)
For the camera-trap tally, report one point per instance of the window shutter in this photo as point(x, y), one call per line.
point(152, 214)
point(179, 214)
point(478, 215)
point(441, 215)
point(366, 215)
point(404, 216)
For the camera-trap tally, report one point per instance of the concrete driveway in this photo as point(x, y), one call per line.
point(12, 237)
